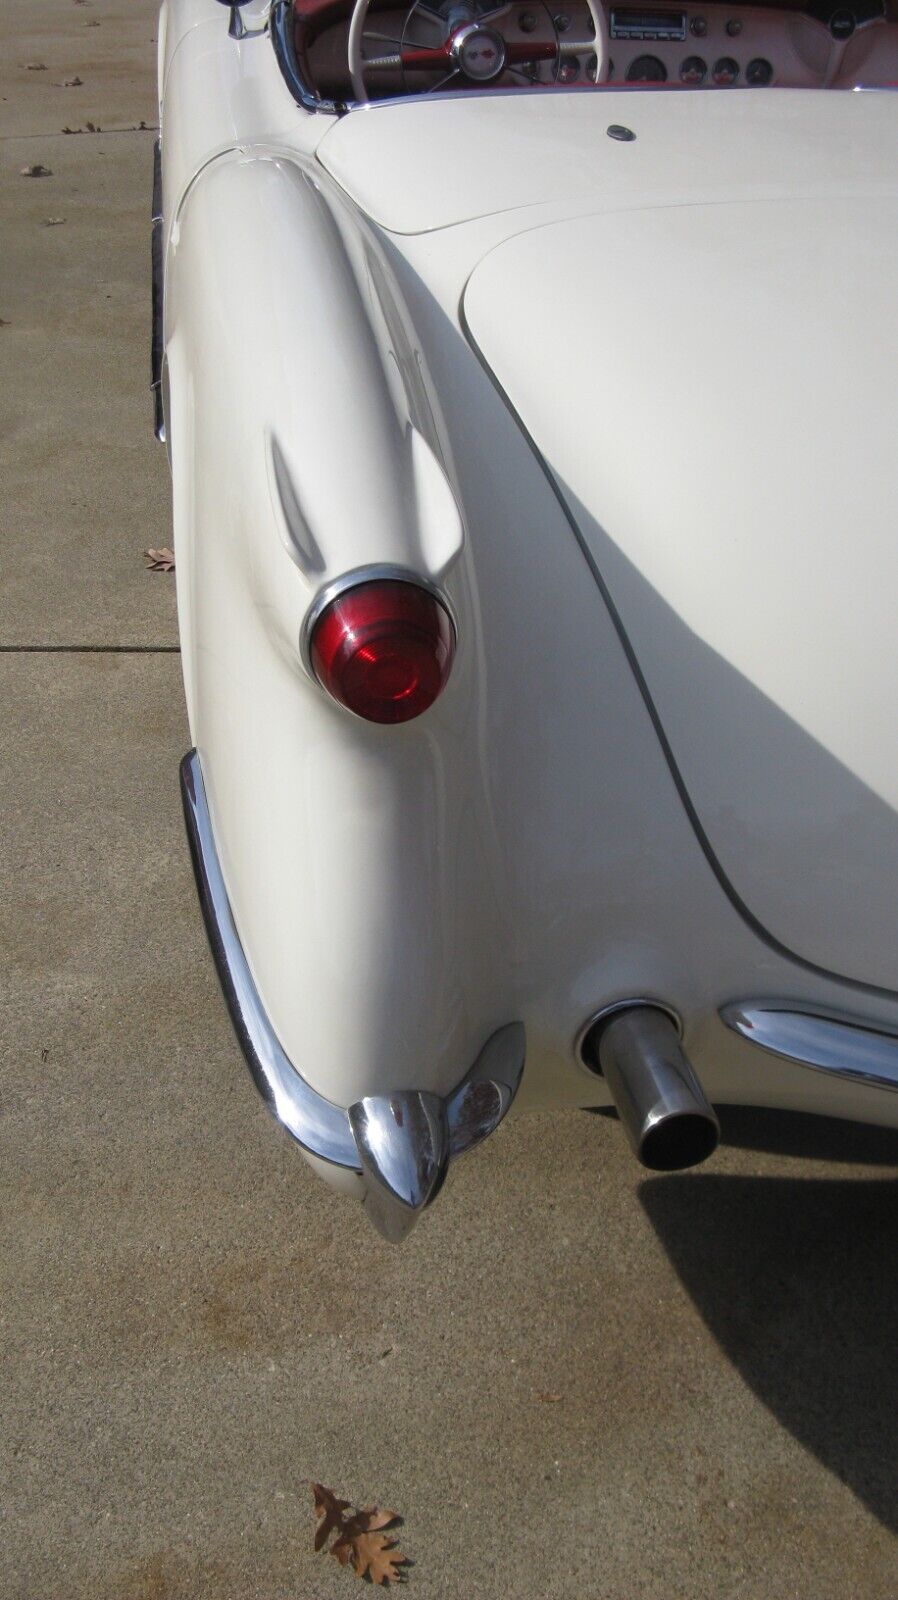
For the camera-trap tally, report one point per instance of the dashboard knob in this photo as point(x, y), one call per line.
point(698, 27)
point(842, 23)
point(733, 28)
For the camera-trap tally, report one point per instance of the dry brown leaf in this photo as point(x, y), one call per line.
point(330, 1510)
point(360, 1541)
point(372, 1556)
point(160, 560)
point(549, 1397)
point(35, 66)
point(36, 170)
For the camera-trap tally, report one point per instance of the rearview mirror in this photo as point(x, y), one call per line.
point(236, 24)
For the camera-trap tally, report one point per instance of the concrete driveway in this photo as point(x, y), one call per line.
point(570, 1381)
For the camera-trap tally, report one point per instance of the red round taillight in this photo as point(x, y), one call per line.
point(384, 649)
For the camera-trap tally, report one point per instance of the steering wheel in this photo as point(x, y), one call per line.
point(467, 43)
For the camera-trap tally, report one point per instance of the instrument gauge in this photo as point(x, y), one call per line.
point(647, 69)
point(725, 71)
point(759, 73)
point(693, 70)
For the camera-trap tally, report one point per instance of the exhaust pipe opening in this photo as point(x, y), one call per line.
point(659, 1100)
point(685, 1140)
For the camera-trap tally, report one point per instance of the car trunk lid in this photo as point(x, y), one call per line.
point(712, 387)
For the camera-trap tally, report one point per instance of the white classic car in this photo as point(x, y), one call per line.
point(534, 439)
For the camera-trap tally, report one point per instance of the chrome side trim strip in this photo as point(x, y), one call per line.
point(156, 281)
point(401, 1142)
point(842, 1046)
point(315, 1123)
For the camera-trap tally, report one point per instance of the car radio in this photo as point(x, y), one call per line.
point(632, 24)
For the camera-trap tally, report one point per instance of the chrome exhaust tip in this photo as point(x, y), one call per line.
point(659, 1099)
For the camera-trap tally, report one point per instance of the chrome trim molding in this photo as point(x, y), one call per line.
point(315, 1123)
point(400, 1142)
point(281, 29)
point(842, 1046)
point(156, 294)
point(375, 573)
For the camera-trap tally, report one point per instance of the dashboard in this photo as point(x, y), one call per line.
point(706, 46)
point(727, 47)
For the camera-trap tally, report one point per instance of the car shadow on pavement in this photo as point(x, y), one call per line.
point(795, 1278)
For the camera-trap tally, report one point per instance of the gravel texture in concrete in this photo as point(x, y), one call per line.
point(85, 485)
point(573, 1383)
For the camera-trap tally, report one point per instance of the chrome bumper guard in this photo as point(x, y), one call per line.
point(400, 1143)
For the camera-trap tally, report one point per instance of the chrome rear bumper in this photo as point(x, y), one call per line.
point(400, 1143)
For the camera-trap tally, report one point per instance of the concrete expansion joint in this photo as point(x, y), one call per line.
point(90, 649)
point(57, 133)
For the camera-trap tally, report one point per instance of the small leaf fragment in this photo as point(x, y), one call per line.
point(35, 170)
point(549, 1397)
point(35, 66)
point(53, 222)
point(161, 561)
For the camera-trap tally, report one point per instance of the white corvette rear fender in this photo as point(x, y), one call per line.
point(400, 1143)
point(305, 451)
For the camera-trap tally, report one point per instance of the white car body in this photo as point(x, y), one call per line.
point(629, 405)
